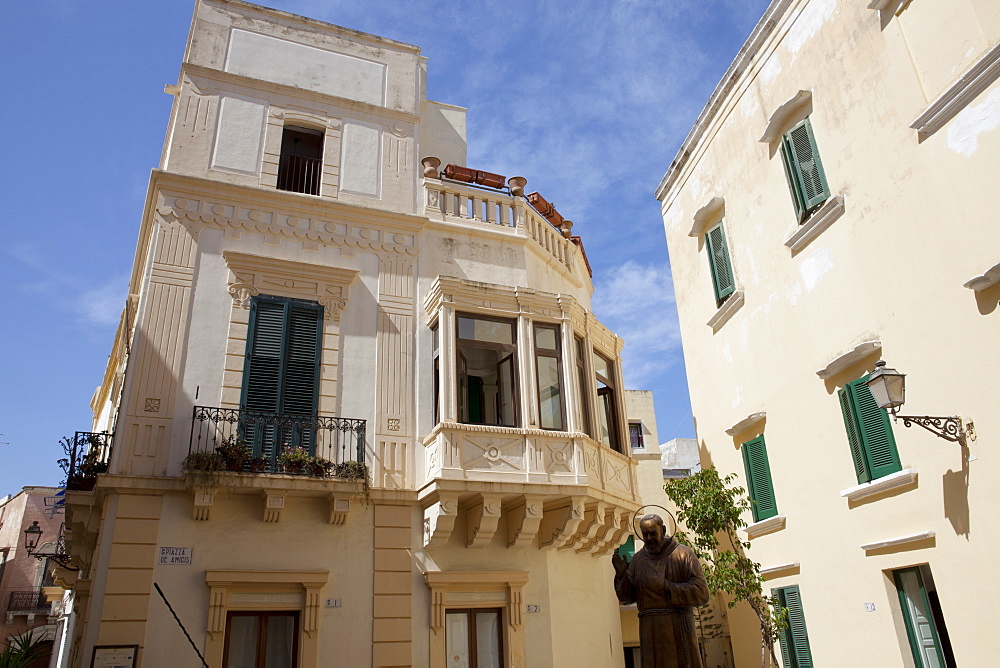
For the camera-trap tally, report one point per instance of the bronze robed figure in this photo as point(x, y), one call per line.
point(664, 578)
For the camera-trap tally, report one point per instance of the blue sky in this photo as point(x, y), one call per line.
point(588, 100)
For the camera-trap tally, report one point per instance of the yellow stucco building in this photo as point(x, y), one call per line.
point(825, 213)
point(314, 275)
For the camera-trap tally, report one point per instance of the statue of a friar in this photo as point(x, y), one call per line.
point(664, 578)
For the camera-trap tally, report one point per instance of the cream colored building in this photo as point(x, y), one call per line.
point(305, 276)
point(830, 209)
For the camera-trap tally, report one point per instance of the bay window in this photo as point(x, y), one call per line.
point(487, 371)
point(548, 365)
point(607, 403)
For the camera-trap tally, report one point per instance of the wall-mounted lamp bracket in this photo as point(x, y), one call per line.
point(948, 428)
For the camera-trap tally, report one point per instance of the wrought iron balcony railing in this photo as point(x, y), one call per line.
point(27, 601)
point(87, 454)
point(299, 174)
point(266, 435)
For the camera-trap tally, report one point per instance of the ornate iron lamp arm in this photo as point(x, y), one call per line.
point(948, 428)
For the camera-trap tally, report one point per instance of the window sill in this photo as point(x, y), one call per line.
point(825, 216)
point(985, 280)
point(883, 484)
point(975, 80)
point(770, 525)
point(896, 542)
point(726, 311)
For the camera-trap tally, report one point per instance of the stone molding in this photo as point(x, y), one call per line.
point(254, 274)
point(880, 485)
point(726, 311)
point(783, 114)
point(712, 212)
point(898, 541)
point(850, 358)
point(985, 280)
point(763, 527)
point(956, 97)
point(749, 422)
point(826, 215)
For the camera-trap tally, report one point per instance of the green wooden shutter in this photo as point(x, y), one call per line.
point(784, 637)
point(797, 627)
point(874, 430)
point(719, 262)
point(853, 434)
point(791, 174)
point(759, 479)
point(281, 372)
point(805, 164)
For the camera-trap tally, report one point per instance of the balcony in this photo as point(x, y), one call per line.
point(558, 490)
point(87, 455)
point(31, 601)
point(248, 452)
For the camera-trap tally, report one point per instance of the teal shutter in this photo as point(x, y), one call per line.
point(877, 455)
point(627, 549)
point(719, 263)
point(281, 372)
point(794, 640)
point(804, 168)
point(759, 479)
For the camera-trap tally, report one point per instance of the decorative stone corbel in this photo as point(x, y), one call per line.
point(439, 520)
point(204, 497)
point(606, 525)
point(559, 523)
point(616, 536)
point(339, 508)
point(523, 520)
point(593, 519)
point(217, 611)
point(481, 521)
point(242, 293)
point(274, 503)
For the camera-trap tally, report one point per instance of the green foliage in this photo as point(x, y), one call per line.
point(358, 472)
point(21, 651)
point(204, 461)
point(234, 450)
point(297, 456)
point(711, 508)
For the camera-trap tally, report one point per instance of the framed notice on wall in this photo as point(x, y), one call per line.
point(114, 656)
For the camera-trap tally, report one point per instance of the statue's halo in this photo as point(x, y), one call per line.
point(670, 526)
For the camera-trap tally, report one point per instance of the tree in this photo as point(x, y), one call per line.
point(710, 507)
point(22, 651)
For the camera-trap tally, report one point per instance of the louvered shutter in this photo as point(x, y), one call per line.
point(794, 187)
point(718, 260)
point(845, 395)
point(281, 373)
point(759, 479)
point(797, 628)
point(876, 431)
point(806, 165)
point(784, 637)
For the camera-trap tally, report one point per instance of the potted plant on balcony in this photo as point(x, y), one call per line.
point(357, 472)
point(204, 461)
point(320, 467)
point(258, 464)
point(293, 460)
point(235, 451)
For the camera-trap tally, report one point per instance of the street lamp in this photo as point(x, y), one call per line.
point(888, 387)
point(33, 535)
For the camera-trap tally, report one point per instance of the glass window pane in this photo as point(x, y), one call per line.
point(280, 641)
point(635, 434)
point(457, 639)
point(601, 366)
point(489, 331)
point(505, 400)
point(242, 649)
point(604, 399)
point(549, 393)
point(546, 338)
point(487, 640)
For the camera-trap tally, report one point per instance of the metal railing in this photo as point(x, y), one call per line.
point(335, 439)
point(27, 601)
point(87, 454)
point(299, 174)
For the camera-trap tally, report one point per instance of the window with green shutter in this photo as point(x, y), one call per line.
point(869, 433)
point(759, 479)
point(281, 372)
point(794, 639)
point(719, 263)
point(803, 169)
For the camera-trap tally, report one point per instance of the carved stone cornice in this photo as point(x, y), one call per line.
point(256, 274)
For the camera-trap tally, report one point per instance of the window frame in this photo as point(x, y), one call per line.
point(942, 642)
point(262, 616)
point(638, 444)
point(550, 353)
point(462, 390)
point(312, 171)
point(869, 432)
point(607, 399)
point(584, 400)
point(760, 486)
point(472, 638)
point(797, 176)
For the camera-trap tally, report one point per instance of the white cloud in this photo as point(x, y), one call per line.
point(636, 301)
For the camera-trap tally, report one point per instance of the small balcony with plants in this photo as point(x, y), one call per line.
point(86, 456)
point(277, 453)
